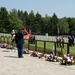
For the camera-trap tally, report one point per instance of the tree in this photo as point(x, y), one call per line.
point(27, 20)
point(63, 26)
point(71, 22)
point(37, 24)
point(15, 22)
point(31, 20)
point(3, 19)
point(21, 17)
point(45, 25)
point(52, 25)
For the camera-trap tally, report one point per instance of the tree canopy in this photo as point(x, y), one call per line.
point(38, 24)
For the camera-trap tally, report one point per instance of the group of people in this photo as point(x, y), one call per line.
point(60, 42)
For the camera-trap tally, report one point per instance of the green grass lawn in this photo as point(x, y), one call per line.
point(40, 47)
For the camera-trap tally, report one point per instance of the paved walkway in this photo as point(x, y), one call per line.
point(10, 64)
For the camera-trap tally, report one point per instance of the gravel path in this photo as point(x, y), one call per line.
point(10, 64)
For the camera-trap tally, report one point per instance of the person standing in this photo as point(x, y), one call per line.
point(53, 50)
point(72, 40)
point(62, 42)
point(13, 36)
point(57, 40)
point(19, 39)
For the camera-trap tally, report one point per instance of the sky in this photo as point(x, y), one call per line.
point(62, 8)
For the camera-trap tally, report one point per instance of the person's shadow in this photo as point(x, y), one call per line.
point(11, 56)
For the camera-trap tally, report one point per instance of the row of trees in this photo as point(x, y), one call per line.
point(52, 25)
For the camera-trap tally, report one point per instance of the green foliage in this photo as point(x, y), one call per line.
point(15, 22)
point(31, 21)
point(63, 26)
point(38, 24)
point(3, 19)
point(52, 27)
point(71, 23)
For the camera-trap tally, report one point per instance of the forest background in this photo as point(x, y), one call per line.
point(38, 25)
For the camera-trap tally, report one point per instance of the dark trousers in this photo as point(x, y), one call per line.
point(20, 50)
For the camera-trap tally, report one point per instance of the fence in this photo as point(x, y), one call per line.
point(44, 39)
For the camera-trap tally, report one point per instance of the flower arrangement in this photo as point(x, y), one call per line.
point(40, 55)
point(52, 58)
point(9, 47)
point(26, 51)
point(34, 54)
point(4, 45)
point(67, 59)
point(37, 54)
